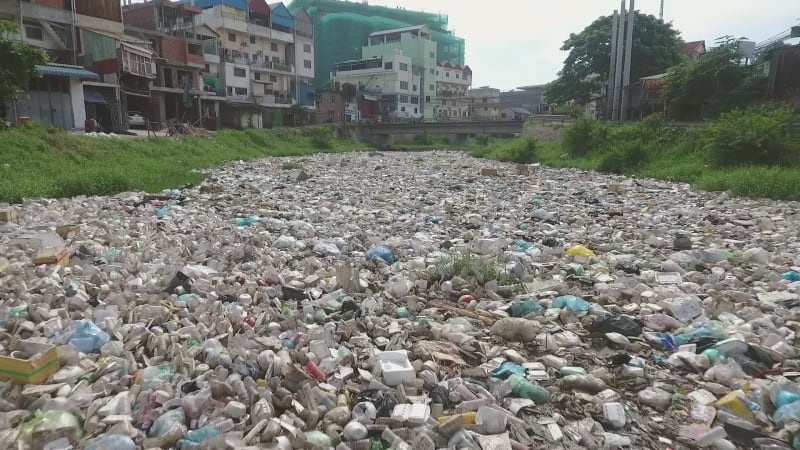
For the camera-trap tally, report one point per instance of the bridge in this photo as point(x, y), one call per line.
point(385, 133)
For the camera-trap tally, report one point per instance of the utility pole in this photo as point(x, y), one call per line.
point(628, 50)
point(611, 72)
point(619, 61)
point(661, 13)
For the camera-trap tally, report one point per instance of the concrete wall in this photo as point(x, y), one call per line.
point(78, 106)
point(142, 17)
point(545, 133)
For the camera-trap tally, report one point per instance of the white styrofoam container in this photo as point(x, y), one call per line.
point(396, 367)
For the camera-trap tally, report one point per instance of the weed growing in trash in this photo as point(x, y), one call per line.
point(463, 263)
point(40, 162)
point(291, 165)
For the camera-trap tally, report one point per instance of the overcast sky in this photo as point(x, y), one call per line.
point(512, 43)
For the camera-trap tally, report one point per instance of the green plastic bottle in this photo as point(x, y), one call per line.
point(522, 388)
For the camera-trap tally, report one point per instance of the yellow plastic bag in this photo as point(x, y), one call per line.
point(580, 250)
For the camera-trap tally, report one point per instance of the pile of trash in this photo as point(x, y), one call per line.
point(400, 301)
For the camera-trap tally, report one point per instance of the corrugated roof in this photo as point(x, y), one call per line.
point(259, 7)
point(66, 70)
point(691, 47)
point(205, 4)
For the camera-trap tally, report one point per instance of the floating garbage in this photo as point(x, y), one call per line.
point(430, 308)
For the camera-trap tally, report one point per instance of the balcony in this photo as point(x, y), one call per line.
point(272, 66)
point(241, 60)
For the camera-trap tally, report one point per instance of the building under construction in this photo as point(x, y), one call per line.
point(342, 28)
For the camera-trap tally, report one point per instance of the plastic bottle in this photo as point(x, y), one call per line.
point(315, 371)
point(523, 388)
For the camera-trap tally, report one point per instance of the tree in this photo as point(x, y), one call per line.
point(349, 92)
point(656, 47)
point(717, 83)
point(17, 63)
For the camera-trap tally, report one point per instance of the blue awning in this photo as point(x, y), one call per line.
point(93, 96)
point(66, 70)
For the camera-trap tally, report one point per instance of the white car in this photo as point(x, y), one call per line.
point(135, 119)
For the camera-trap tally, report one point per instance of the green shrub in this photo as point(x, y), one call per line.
point(423, 139)
point(757, 136)
point(583, 136)
point(625, 157)
point(321, 138)
point(481, 139)
point(524, 151)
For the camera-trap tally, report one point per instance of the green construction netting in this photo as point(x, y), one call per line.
point(342, 28)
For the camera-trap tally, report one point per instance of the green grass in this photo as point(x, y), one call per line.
point(40, 162)
point(680, 159)
point(524, 150)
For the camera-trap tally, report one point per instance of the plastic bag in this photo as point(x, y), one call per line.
point(515, 329)
point(383, 401)
point(87, 337)
point(112, 442)
point(196, 437)
point(381, 252)
point(580, 250)
point(246, 221)
point(525, 307)
point(167, 421)
point(49, 426)
point(154, 375)
point(507, 369)
point(623, 325)
point(575, 304)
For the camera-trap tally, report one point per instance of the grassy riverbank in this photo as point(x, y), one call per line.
point(749, 154)
point(40, 162)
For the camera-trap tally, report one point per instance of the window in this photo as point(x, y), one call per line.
point(237, 72)
point(136, 64)
point(232, 37)
point(457, 76)
point(403, 108)
point(195, 49)
point(427, 99)
point(447, 74)
point(415, 100)
point(431, 88)
point(404, 85)
point(483, 100)
point(307, 63)
point(403, 99)
point(415, 88)
point(273, 46)
point(437, 72)
point(432, 55)
point(276, 60)
point(404, 67)
point(252, 39)
point(415, 110)
point(230, 90)
point(433, 71)
point(32, 32)
point(257, 76)
point(273, 79)
point(241, 91)
point(307, 48)
point(387, 66)
point(207, 68)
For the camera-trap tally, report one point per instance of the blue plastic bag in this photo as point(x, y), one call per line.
point(246, 221)
point(382, 253)
point(87, 338)
point(791, 276)
point(507, 369)
point(196, 437)
point(522, 246)
point(575, 304)
point(525, 307)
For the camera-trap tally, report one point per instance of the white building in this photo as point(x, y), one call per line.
point(452, 86)
point(388, 81)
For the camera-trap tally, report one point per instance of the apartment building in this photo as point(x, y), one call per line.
point(415, 43)
point(386, 86)
point(94, 65)
point(255, 67)
point(485, 102)
point(303, 57)
point(177, 88)
point(452, 85)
